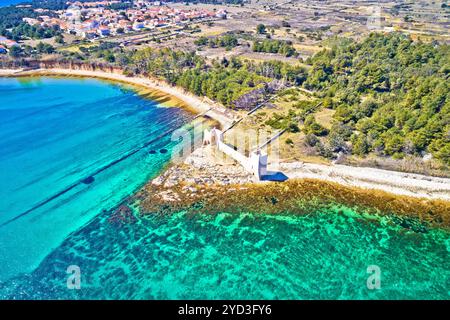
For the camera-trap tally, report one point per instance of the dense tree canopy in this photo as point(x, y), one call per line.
point(393, 93)
point(275, 46)
point(224, 81)
point(228, 41)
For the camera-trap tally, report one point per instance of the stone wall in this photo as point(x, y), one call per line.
point(256, 164)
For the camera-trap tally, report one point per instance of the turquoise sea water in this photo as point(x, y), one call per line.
point(56, 132)
point(242, 256)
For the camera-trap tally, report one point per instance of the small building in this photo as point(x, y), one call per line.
point(89, 34)
point(3, 50)
point(137, 26)
point(104, 31)
point(128, 28)
point(90, 24)
point(221, 14)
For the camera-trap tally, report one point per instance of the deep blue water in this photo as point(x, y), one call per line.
point(4, 3)
point(58, 132)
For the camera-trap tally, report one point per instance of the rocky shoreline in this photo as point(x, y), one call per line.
point(206, 182)
point(204, 167)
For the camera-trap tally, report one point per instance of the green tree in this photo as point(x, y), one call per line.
point(15, 51)
point(360, 145)
point(312, 127)
point(59, 39)
point(261, 29)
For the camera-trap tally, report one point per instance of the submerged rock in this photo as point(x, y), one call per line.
point(88, 180)
point(411, 224)
point(122, 214)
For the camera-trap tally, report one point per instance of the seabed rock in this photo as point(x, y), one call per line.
point(88, 180)
point(411, 224)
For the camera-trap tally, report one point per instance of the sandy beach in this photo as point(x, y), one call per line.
point(200, 168)
point(400, 183)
